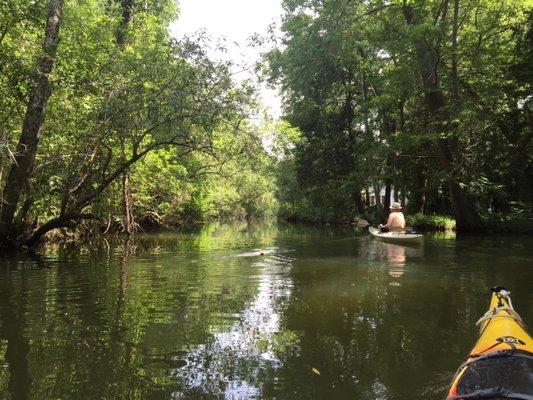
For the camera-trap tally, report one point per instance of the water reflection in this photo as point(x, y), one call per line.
point(395, 256)
point(229, 365)
point(224, 312)
point(15, 373)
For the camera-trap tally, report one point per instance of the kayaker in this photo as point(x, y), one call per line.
point(396, 221)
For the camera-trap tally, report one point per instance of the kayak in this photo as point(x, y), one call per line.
point(500, 366)
point(396, 237)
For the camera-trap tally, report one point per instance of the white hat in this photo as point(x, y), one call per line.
point(395, 206)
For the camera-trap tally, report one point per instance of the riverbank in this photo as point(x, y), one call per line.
point(87, 231)
point(503, 224)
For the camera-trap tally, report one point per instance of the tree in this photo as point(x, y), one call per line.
point(21, 169)
point(429, 97)
point(123, 89)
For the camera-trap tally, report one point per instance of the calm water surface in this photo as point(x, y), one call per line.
point(250, 312)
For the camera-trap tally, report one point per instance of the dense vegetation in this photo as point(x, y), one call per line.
point(108, 123)
point(106, 118)
point(429, 99)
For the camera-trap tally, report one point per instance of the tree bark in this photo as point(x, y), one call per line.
point(359, 204)
point(127, 16)
point(377, 194)
point(467, 218)
point(128, 221)
point(26, 152)
point(127, 201)
point(422, 183)
point(455, 60)
point(63, 221)
point(386, 202)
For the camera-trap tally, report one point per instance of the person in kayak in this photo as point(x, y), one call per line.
point(396, 221)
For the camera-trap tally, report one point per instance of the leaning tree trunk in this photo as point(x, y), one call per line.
point(467, 218)
point(26, 152)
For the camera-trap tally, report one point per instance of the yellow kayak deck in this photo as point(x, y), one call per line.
point(501, 328)
point(502, 355)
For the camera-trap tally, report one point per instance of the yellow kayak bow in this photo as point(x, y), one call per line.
point(500, 366)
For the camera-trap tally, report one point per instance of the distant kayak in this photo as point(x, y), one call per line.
point(500, 366)
point(396, 237)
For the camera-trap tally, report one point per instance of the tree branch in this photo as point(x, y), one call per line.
point(63, 221)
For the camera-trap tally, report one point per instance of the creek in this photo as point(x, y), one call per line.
point(237, 311)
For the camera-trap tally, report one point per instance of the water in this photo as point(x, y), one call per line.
point(245, 312)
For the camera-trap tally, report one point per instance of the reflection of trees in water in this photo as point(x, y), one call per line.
point(349, 337)
point(231, 364)
point(97, 322)
point(13, 312)
point(358, 331)
point(59, 320)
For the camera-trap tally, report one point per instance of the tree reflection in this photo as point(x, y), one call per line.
point(230, 364)
point(13, 305)
point(224, 313)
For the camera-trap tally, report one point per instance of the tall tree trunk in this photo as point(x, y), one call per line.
point(455, 59)
point(388, 129)
point(359, 204)
point(377, 194)
point(422, 183)
point(369, 136)
point(127, 201)
point(127, 205)
point(466, 216)
point(26, 152)
point(127, 16)
point(388, 188)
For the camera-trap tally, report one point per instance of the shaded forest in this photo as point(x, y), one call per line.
point(109, 124)
point(429, 102)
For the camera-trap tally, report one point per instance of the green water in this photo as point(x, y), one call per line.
point(239, 312)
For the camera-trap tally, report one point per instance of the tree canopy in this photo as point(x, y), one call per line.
point(430, 99)
point(124, 124)
point(106, 117)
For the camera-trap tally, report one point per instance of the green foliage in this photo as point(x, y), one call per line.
point(431, 222)
point(352, 76)
point(134, 116)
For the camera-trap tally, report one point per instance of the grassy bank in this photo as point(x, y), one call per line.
point(431, 223)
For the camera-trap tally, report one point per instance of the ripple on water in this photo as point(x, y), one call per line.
point(209, 316)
